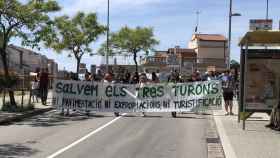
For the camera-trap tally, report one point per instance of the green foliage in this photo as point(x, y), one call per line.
point(27, 21)
point(103, 49)
point(79, 31)
point(234, 64)
point(75, 34)
point(130, 40)
point(133, 41)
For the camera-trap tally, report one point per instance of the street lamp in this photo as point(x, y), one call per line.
point(229, 31)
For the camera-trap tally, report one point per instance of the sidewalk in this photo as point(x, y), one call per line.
point(7, 117)
point(255, 141)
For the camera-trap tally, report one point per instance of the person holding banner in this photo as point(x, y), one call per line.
point(135, 78)
point(108, 78)
point(173, 79)
point(155, 78)
point(143, 80)
point(126, 78)
point(228, 87)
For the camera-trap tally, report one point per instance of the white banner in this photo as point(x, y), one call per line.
point(109, 97)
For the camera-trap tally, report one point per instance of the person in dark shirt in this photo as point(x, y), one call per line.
point(43, 85)
point(228, 86)
point(194, 78)
point(135, 78)
point(127, 78)
point(155, 78)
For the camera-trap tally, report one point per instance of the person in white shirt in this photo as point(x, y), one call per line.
point(142, 81)
point(108, 78)
point(148, 75)
point(34, 89)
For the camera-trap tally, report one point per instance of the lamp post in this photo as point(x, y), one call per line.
point(229, 31)
point(266, 9)
point(108, 31)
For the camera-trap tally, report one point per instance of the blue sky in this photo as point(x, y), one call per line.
point(173, 20)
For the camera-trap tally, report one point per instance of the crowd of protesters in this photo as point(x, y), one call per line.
point(227, 79)
point(40, 84)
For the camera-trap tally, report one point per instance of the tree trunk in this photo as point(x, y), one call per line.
point(7, 77)
point(78, 68)
point(135, 61)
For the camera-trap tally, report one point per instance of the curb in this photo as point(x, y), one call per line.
point(213, 140)
point(24, 115)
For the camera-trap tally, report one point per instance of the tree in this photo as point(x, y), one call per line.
point(103, 49)
point(129, 40)
point(27, 21)
point(234, 64)
point(75, 34)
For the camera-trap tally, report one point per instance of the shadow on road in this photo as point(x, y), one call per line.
point(189, 117)
point(16, 150)
point(151, 116)
point(54, 119)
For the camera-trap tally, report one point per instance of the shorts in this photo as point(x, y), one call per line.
point(228, 96)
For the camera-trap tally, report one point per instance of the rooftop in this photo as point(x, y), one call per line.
point(209, 37)
point(261, 37)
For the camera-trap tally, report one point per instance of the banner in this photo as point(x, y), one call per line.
point(109, 97)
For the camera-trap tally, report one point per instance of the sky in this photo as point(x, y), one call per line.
point(173, 21)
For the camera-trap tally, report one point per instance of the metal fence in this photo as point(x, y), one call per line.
point(23, 93)
point(184, 63)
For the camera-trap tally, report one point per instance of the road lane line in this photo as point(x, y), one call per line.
point(84, 138)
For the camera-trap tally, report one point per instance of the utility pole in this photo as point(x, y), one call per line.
point(197, 21)
point(229, 31)
point(267, 8)
point(108, 31)
point(229, 34)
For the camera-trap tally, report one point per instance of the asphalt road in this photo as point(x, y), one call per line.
point(130, 136)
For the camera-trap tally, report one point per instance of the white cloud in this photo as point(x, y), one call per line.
point(101, 5)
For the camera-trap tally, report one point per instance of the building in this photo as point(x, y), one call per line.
point(24, 60)
point(181, 59)
point(120, 68)
point(52, 67)
point(212, 51)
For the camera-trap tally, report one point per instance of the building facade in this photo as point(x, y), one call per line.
point(22, 60)
point(180, 59)
point(212, 51)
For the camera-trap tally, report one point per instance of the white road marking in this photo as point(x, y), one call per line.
point(84, 138)
point(229, 152)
